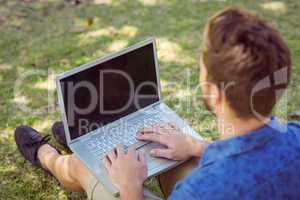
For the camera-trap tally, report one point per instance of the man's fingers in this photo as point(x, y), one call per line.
point(112, 156)
point(153, 137)
point(120, 150)
point(106, 163)
point(131, 151)
point(141, 157)
point(160, 128)
point(162, 153)
point(173, 125)
point(154, 128)
point(149, 130)
point(170, 128)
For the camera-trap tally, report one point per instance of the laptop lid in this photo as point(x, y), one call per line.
point(103, 91)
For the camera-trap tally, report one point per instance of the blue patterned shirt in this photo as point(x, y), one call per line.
point(264, 164)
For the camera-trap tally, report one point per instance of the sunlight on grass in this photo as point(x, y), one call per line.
point(48, 84)
point(62, 196)
point(92, 36)
point(103, 2)
point(64, 63)
point(83, 24)
point(4, 67)
point(128, 31)
point(7, 168)
point(5, 134)
point(163, 83)
point(150, 2)
point(20, 100)
point(169, 51)
point(183, 93)
point(2, 133)
point(43, 125)
point(98, 53)
point(30, 177)
point(110, 31)
point(276, 6)
point(117, 45)
point(82, 60)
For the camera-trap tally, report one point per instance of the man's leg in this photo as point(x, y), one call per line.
point(168, 179)
point(72, 173)
point(66, 168)
point(74, 176)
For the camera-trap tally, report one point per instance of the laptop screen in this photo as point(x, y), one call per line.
point(110, 90)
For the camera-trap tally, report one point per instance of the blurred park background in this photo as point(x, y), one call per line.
point(40, 39)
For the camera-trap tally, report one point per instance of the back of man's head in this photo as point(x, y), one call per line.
point(241, 48)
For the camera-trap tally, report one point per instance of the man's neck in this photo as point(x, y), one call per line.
point(231, 126)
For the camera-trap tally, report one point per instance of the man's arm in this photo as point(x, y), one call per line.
point(199, 147)
point(132, 193)
point(128, 173)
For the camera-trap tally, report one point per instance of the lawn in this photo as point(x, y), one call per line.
point(40, 39)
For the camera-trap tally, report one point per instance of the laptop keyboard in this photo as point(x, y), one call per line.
point(101, 144)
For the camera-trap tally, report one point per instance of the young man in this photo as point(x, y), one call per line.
point(244, 64)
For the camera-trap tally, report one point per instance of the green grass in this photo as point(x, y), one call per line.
point(54, 36)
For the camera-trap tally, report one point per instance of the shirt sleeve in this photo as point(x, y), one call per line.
point(204, 184)
point(182, 191)
point(294, 128)
point(193, 187)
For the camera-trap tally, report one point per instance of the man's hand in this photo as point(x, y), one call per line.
point(127, 171)
point(179, 146)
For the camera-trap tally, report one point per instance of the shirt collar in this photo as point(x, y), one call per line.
point(240, 144)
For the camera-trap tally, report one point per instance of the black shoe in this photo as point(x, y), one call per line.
point(28, 142)
point(58, 132)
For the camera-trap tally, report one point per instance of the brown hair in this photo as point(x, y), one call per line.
point(241, 48)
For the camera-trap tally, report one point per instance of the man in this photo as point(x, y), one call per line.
point(243, 60)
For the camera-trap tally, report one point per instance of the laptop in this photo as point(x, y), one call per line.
point(107, 101)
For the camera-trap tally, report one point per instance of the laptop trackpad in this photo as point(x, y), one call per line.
point(155, 164)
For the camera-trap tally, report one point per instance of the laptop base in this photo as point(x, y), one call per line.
point(155, 165)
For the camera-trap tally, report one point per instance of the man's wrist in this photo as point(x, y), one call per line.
point(131, 192)
point(199, 147)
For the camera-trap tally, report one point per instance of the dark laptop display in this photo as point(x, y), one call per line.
point(110, 90)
